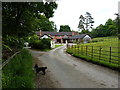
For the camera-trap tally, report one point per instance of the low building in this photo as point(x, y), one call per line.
point(81, 38)
point(62, 37)
point(57, 36)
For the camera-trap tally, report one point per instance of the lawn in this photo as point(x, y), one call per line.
point(102, 50)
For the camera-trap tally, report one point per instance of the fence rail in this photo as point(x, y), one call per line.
point(8, 60)
point(108, 54)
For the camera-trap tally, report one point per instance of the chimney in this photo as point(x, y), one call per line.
point(73, 33)
point(40, 32)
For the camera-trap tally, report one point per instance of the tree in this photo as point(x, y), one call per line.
point(65, 28)
point(54, 26)
point(89, 21)
point(21, 18)
point(44, 24)
point(86, 22)
point(49, 9)
point(81, 23)
point(109, 29)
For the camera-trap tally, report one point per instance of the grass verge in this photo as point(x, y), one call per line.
point(46, 50)
point(58, 46)
point(95, 61)
point(18, 72)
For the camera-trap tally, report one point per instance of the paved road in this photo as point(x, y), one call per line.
point(75, 73)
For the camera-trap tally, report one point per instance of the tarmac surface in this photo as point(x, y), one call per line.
point(66, 71)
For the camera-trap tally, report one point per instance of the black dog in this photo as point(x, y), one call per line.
point(38, 69)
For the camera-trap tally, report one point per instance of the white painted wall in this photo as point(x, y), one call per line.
point(52, 44)
point(87, 36)
point(86, 39)
point(45, 36)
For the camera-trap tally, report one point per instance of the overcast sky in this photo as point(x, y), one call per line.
point(68, 11)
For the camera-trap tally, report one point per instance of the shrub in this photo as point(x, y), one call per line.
point(13, 42)
point(41, 44)
point(10, 45)
point(32, 39)
point(45, 43)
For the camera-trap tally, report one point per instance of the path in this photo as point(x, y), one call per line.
point(71, 72)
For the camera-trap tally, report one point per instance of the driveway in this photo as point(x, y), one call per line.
point(71, 72)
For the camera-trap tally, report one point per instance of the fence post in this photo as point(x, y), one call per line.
point(92, 52)
point(75, 48)
point(100, 52)
point(82, 49)
point(86, 49)
point(110, 55)
point(78, 49)
point(72, 49)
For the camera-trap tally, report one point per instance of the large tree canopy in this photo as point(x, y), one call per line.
point(108, 29)
point(21, 18)
point(65, 28)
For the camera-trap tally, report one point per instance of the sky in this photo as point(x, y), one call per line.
point(69, 11)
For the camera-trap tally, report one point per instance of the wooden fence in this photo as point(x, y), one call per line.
point(8, 60)
point(107, 54)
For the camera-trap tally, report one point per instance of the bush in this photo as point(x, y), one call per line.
point(10, 45)
point(13, 42)
point(18, 72)
point(45, 43)
point(40, 44)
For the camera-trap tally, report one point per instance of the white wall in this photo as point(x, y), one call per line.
point(86, 39)
point(45, 36)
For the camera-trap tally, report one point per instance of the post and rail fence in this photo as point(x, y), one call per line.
point(107, 54)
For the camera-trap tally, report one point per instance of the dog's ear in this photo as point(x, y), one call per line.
point(45, 67)
point(35, 65)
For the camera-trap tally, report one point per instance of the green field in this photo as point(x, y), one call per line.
point(102, 50)
point(105, 41)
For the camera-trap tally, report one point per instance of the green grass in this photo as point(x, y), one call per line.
point(94, 55)
point(58, 46)
point(46, 50)
point(18, 72)
point(105, 41)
